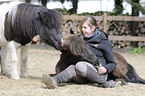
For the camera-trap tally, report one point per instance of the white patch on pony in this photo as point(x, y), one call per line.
point(62, 41)
point(12, 45)
point(5, 69)
point(13, 10)
point(4, 8)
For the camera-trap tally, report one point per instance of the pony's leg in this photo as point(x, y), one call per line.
point(24, 57)
point(4, 67)
point(14, 57)
point(0, 61)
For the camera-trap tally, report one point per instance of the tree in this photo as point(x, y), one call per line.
point(118, 7)
point(135, 12)
point(75, 6)
point(28, 1)
point(136, 7)
point(44, 2)
point(62, 1)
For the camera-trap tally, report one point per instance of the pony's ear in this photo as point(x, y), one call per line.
point(41, 16)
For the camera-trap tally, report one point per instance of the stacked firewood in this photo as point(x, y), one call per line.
point(141, 29)
point(118, 28)
point(120, 44)
point(70, 27)
point(123, 29)
point(141, 32)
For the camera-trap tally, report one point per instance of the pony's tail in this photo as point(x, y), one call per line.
point(133, 77)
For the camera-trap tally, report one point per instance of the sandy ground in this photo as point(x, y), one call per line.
point(44, 60)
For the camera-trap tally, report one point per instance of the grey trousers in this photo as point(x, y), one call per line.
point(82, 70)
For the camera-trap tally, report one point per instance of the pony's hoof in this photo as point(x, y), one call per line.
point(5, 73)
point(24, 75)
point(15, 77)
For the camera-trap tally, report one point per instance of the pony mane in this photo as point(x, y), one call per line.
point(53, 19)
point(78, 47)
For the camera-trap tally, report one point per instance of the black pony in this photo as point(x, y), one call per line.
point(25, 21)
point(75, 49)
point(19, 23)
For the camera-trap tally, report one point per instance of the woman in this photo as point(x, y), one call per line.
point(84, 72)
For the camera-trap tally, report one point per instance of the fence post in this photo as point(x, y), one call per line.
point(105, 22)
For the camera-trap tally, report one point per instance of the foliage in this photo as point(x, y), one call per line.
point(63, 11)
point(137, 5)
point(118, 7)
point(98, 13)
point(138, 50)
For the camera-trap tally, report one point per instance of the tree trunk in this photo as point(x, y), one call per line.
point(28, 1)
point(44, 2)
point(118, 7)
point(75, 7)
point(134, 25)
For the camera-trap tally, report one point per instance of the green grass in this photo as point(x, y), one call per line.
point(138, 50)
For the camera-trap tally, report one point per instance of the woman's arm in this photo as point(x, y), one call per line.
point(106, 48)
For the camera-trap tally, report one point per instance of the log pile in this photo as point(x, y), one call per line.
point(123, 29)
point(118, 28)
point(70, 27)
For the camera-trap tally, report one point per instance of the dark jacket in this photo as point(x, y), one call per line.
point(103, 50)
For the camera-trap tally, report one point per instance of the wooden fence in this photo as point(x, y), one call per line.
point(106, 18)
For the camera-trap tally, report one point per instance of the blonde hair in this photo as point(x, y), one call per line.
point(91, 21)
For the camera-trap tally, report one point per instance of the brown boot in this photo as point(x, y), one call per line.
point(62, 77)
point(49, 81)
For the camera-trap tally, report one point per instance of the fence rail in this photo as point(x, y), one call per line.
point(110, 18)
point(125, 18)
point(126, 38)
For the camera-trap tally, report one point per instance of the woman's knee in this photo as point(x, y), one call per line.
point(81, 68)
point(82, 65)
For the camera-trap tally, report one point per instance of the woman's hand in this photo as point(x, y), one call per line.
point(102, 70)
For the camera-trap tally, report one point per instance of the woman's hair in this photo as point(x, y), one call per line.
point(91, 21)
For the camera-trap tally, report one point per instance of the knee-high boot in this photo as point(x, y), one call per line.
point(64, 76)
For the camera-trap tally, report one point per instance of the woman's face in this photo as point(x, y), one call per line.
point(87, 30)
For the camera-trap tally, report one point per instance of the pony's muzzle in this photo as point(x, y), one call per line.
point(60, 44)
